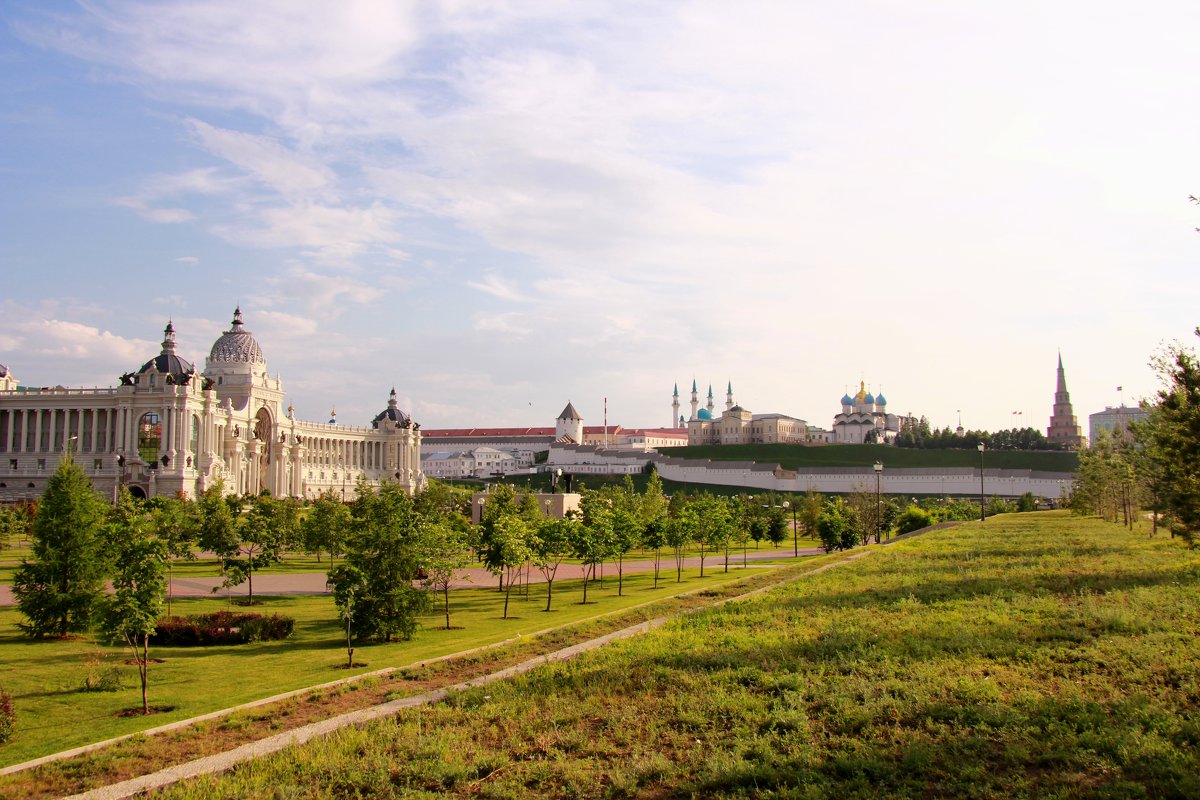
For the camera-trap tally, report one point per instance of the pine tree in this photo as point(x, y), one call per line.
point(57, 591)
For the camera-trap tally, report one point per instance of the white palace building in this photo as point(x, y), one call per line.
point(168, 429)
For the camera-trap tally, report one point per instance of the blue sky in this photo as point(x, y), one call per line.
point(499, 207)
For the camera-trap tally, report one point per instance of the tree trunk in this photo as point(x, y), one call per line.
point(506, 599)
point(446, 593)
point(549, 591)
point(620, 575)
point(656, 558)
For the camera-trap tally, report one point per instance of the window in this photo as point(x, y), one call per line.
point(149, 438)
point(97, 464)
point(41, 463)
point(12, 463)
point(194, 443)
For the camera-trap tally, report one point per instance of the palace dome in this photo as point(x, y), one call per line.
point(869, 399)
point(847, 400)
point(167, 361)
point(880, 400)
point(236, 345)
point(704, 413)
point(391, 414)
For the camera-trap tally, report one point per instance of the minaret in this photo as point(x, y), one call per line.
point(168, 343)
point(710, 398)
point(675, 407)
point(1064, 427)
point(729, 395)
point(695, 401)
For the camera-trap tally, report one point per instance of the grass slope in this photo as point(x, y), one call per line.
point(792, 456)
point(54, 713)
point(1037, 655)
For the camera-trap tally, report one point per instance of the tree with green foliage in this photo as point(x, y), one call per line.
point(15, 524)
point(714, 525)
point(597, 514)
point(57, 591)
point(838, 526)
point(262, 533)
point(589, 543)
point(509, 551)
point(175, 522)
point(218, 528)
point(553, 542)
point(444, 554)
point(681, 530)
point(327, 526)
point(652, 511)
point(139, 583)
point(383, 556)
point(1172, 436)
point(808, 513)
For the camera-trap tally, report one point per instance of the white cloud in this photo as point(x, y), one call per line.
point(496, 286)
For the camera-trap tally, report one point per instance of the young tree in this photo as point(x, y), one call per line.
point(1173, 436)
point(217, 523)
point(597, 509)
point(626, 533)
point(176, 523)
point(713, 525)
point(680, 531)
point(444, 553)
point(262, 534)
point(57, 591)
point(809, 513)
point(838, 527)
point(589, 544)
point(508, 551)
point(382, 558)
point(139, 582)
point(15, 523)
point(552, 543)
point(327, 526)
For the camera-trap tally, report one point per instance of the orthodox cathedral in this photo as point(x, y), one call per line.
point(169, 429)
point(864, 418)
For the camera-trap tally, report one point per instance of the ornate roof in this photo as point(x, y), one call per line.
point(569, 412)
point(237, 345)
point(392, 413)
point(167, 361)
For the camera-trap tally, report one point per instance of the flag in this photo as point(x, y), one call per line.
point(1118, 388)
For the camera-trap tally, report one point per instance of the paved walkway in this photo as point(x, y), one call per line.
point(315, 582)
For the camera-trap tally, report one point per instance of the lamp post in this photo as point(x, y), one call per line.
point(878, 467)
point(795, 541)
point(982, 516)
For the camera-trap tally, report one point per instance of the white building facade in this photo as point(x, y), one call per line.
point(169, 429)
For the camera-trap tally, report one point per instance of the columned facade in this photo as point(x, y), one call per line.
point(169, 429)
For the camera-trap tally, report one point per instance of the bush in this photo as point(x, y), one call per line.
point(221, 627)
point(99, 678)
point(8, 717)
point(913, 519)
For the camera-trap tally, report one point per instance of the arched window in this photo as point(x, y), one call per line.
point(149, 437)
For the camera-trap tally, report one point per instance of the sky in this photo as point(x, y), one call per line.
point(499, 207)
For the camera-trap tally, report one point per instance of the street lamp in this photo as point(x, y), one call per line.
point(878, 467)
point(982, 516)
point(795, 542)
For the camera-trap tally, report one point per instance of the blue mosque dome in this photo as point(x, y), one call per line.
point(704, 413)
point(847, 400)
point(869, 399)
point(880, 400)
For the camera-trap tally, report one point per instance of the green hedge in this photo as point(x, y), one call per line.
point(222, 627)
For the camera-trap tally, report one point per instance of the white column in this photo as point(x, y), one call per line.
point(37, 430)
point(8, 435)
point(95, 426)
point(53, 425)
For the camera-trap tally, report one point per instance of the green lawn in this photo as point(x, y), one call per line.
point(45, 678)
point(791, 456)
point(1036, 655)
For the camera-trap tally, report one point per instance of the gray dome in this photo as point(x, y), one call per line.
point(237, 345)
point(391, 414)
point(166, 361)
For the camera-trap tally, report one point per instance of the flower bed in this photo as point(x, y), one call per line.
point(221, 627)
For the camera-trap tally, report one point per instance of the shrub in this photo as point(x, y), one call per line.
point(913, 519)
point(8, 717)
point(97, 677)
point(221, 627)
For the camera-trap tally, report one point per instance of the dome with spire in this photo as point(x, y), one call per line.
point(167, 361)
point(847, 400)
point(880, 400)
point(392, 413)
point(869, 399)
point(236, 345)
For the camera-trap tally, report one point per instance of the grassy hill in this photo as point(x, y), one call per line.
point(1034, 655)
point(793, 456)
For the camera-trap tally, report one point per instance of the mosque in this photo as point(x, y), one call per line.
point(169, 429)
point(736, 425)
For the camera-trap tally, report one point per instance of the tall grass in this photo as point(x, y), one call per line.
point(1037, 655)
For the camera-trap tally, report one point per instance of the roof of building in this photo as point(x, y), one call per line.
point(569, 412)
point(167, 361)
point(392, 413)
point(236, 345)
point(493, 432)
